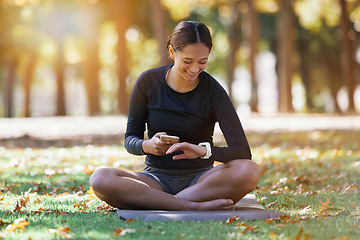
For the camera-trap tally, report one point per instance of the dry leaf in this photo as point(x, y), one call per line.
point(62, 232)
point(248, 228)
point(324, 206)
point(121, 232)
point(130, 220)
point(18, 223)
point(230, 220)
point(2, 223)
point(21, 203)
point(298, 237)
point(273, 235)
point(81, 206)
point(91, 193)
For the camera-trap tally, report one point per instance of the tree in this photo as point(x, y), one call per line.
point(57, 26)
point(158, 24)
point(253, 39)
point(90, 31)
point(234, 39)
point(347, 54)
point(10, 81)
point(9, 54)
point(121, 15)
point(285, 47)
point(28, 79)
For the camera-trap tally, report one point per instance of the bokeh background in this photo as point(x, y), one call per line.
point(82, 57)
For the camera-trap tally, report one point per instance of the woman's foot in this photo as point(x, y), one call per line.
point(218, 204)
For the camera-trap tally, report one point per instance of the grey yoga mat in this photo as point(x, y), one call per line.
point(247, 208)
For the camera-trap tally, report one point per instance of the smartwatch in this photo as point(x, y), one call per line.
point(208, 150)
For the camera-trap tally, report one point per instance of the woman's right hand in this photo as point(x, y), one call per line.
point(155, 146)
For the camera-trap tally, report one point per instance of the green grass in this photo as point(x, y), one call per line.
point(301, 170)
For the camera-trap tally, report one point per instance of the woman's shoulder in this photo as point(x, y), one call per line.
point(151, 77)
point(157, 72)
point(211, 83)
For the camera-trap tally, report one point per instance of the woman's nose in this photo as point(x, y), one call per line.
point(194, 68)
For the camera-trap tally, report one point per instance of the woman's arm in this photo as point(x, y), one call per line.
point(226, 115)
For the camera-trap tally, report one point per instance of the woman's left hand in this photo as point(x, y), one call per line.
point(190, 151)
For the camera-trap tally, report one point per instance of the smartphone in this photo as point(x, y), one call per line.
point(171, 139)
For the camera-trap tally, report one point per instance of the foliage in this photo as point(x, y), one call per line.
point(311, 176)
point(36, 25)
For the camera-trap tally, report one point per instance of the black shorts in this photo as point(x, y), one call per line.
point(174, 181)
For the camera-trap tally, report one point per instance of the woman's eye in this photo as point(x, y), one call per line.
point(187, 62)
point(203, 63)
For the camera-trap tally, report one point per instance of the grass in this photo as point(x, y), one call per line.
point(313, 177)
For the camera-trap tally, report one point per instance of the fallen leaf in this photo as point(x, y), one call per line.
point(280, 225)
point(282, 217)
point(81, 206)
point(273, 235)
point(2, 223)
point(91, 193)
point(230, 220)
point(21, 203)
point(121, 232)
point(18, 223)
point(324, 206)
point(130, 220)
point(298, 237)
point(61, 231)
point(248, 228)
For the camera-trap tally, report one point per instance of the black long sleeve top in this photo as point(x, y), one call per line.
point(191, 116)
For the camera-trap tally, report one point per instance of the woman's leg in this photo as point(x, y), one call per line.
point(129, 190)
point(232, 180)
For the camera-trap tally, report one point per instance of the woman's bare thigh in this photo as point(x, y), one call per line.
point(115, 175)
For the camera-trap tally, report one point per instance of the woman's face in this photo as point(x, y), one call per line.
point(191, 60)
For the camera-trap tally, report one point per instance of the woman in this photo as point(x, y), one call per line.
point(181, 100)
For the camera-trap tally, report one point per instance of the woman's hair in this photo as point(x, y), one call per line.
point(189, 32)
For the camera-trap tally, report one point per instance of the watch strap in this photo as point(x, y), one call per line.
point(208, 150)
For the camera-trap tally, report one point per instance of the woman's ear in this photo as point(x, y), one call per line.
point(171, 52)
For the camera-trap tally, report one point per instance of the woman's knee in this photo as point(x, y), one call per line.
point(102, 178)
point(98, 177)
point(248, 173)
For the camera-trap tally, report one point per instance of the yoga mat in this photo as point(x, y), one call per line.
point(247, 209)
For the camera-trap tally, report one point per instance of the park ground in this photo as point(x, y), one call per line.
point(310, 171)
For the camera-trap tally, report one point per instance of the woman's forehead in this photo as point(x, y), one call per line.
point(198, 50)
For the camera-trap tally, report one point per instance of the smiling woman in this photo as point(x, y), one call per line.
point(185, 101)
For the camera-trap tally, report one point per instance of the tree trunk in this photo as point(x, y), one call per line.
point(285, 47)
point(303, 50)
point(121, 13)
point(28, 78)
point(158, 22)
point(9, 92)
point(60, 69)
point(347, 55)
point(90, 32)
point(253, 38)
point(234, 40)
